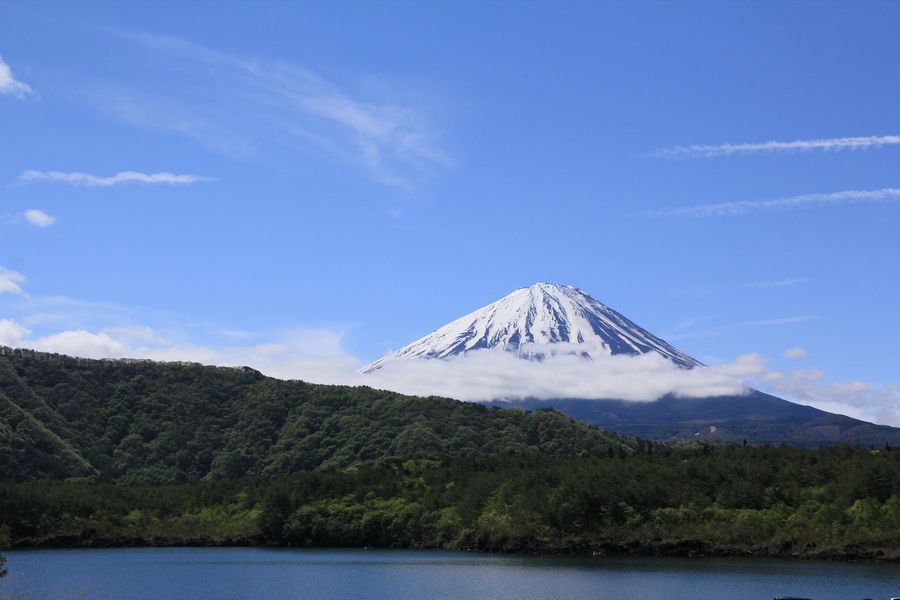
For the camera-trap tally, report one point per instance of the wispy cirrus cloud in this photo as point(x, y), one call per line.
point(824, 144)
point(88, 180)
point(805, 201)
point(776, 283)
point(9, 85)
point(246, 107)
point(11, 281)
point(776, 321)
point(690, 328)
point(705, 291)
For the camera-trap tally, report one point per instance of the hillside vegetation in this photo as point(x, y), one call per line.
point(111, 453)
point(836, 502)
point(163, 423)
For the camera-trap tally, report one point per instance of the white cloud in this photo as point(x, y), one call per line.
point(873, 403)
point(797, 352)
point(81, 343)
point(318, 355)
point(242, 106)
point(139, 333)
point(86, 179)
point(9, 85)
point(12, 333)
point(492, 375)
point(235, 334)
point(11, 281)
point(38, 218)
point(730, 209)
point(829, 144)
point(497, 375)
point(104, 330)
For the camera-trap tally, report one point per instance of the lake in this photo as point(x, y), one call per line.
point(262, 573)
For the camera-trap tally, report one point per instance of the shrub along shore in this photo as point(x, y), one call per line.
point(836, 503)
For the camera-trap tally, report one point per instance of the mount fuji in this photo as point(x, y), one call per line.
point(538, 321)
point(548, 319)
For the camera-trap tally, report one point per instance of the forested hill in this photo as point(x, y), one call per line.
point(150, 422)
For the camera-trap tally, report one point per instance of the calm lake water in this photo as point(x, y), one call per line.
point(257, 573)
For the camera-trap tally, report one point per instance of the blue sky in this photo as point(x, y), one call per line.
point(332, 180)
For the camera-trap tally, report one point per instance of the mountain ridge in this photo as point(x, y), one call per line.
point(756, 418)
point(150, 422)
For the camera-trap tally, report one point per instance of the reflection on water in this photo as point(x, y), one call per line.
point(261, 573)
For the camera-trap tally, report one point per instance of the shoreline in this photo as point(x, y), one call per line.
point(689, 549)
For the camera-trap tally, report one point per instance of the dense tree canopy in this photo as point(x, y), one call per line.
point(151, 422)
point(767, 501)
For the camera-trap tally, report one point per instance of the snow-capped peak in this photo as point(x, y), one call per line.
point(537, 321)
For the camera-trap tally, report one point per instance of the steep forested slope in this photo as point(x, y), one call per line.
point(142, 421)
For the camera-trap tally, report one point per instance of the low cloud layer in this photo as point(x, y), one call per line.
point(88, 180)
point(497, 375)
point(12, 333)
point(319, 355)
point(858, 399)
point(826, 144)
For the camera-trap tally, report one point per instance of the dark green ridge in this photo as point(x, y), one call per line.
point(138, 421)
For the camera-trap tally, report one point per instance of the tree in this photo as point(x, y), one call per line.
point(4, 542)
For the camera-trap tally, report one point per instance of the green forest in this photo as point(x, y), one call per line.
point(835, 502)
point(139, 422)
point(118, 453)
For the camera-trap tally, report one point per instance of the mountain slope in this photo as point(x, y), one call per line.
point(541, 319)
point(757, 418)
point(142, 421)
point(547, 319)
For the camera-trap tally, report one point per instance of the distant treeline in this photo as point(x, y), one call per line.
point(836, 502)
